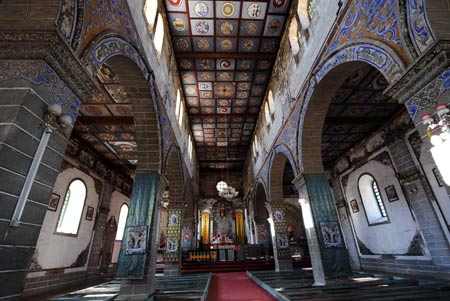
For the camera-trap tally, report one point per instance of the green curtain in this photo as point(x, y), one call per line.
point(335, 259)
point(132, 266)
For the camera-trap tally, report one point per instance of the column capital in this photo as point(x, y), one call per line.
point(299, 181)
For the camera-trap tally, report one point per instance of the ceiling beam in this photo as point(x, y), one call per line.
point(228, 116)
point(106, 120)
point(221, 148)
point(224, 55)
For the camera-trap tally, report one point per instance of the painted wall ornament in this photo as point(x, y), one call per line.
point(419, 27)
point(387, 63)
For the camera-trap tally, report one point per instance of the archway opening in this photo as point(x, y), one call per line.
point(263, 230)
point(285, 198)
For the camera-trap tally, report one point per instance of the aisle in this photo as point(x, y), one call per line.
point(235, 287)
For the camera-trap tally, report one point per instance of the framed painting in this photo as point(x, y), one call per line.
point(90, 213)
point(354, 206)
point(331, 234)
point(391, 193)
point(136, 240)
point(53, 202)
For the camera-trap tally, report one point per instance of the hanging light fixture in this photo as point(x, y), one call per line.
point(226, 191)
point(438, 129)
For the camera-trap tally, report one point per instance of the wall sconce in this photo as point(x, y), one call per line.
point(53, 119)
point(438, 129)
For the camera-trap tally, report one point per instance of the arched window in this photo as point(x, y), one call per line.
point(294, 37)
point(72, 209)
point(122, 221)
point(150, 10)
point(158, 38)
point(372, 201)
point(271, 103)
point(267, 113)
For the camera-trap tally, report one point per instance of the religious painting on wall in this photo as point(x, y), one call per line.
point(278, 215)
point(331, 234)
point(136, 240)
point(186, 236)
point(391, 193)
point(263, 234)
point(172, 245)
point(354, 206)
point(173, 219)
point(53, 202)
point(90, 213)
point(282, 241)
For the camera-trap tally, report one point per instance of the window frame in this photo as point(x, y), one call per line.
point(56, 232)
point(386, 219)
point(118, 220)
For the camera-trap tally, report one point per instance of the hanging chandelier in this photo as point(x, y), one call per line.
point(226, 191)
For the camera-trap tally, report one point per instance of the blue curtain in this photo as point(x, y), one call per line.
point(335, 259)
point(140, 214)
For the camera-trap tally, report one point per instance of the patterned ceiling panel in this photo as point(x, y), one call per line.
point(357, 109)
point(106, 123)
point(225, 52)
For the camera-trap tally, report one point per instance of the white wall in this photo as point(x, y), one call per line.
point(61, 251)
point(117, 199)
point(393, 237)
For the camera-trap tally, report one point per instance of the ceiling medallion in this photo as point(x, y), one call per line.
point(226, 27)
point(182, 44)
point(175, 2)
point(202, 27)
point(225, 64)
point(201, 9)
point(226, 45)
point(248, 45)
point(251, 28)
point(203, 44)
point(274, 25)
point(228, 9)
point(178, 24)
point(254, 10)
point(186, 64)
point(278, 3)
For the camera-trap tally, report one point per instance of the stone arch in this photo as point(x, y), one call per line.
point(137, 84)
point(173, 171)
point(375, 53)
point(261, 197)
point(320, 93)
point(277, 172)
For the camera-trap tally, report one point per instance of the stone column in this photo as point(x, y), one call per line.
point(23, 108)
point(172, 257)
point(280, 237)
point(329, 257)
point(135, 267)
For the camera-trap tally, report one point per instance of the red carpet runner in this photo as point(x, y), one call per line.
point(236, 287)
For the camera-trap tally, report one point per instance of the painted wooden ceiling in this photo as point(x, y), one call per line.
point(106, 122)
point(225, 52)
point(357, 110)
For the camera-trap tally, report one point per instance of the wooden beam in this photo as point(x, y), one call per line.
point(228, 116)
point(224, 55)
point(105, 120)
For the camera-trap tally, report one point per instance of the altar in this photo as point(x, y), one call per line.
point(222, 223)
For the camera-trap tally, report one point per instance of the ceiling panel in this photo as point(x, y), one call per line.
point(225, 52)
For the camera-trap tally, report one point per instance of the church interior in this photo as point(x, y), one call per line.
point(224, 150)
